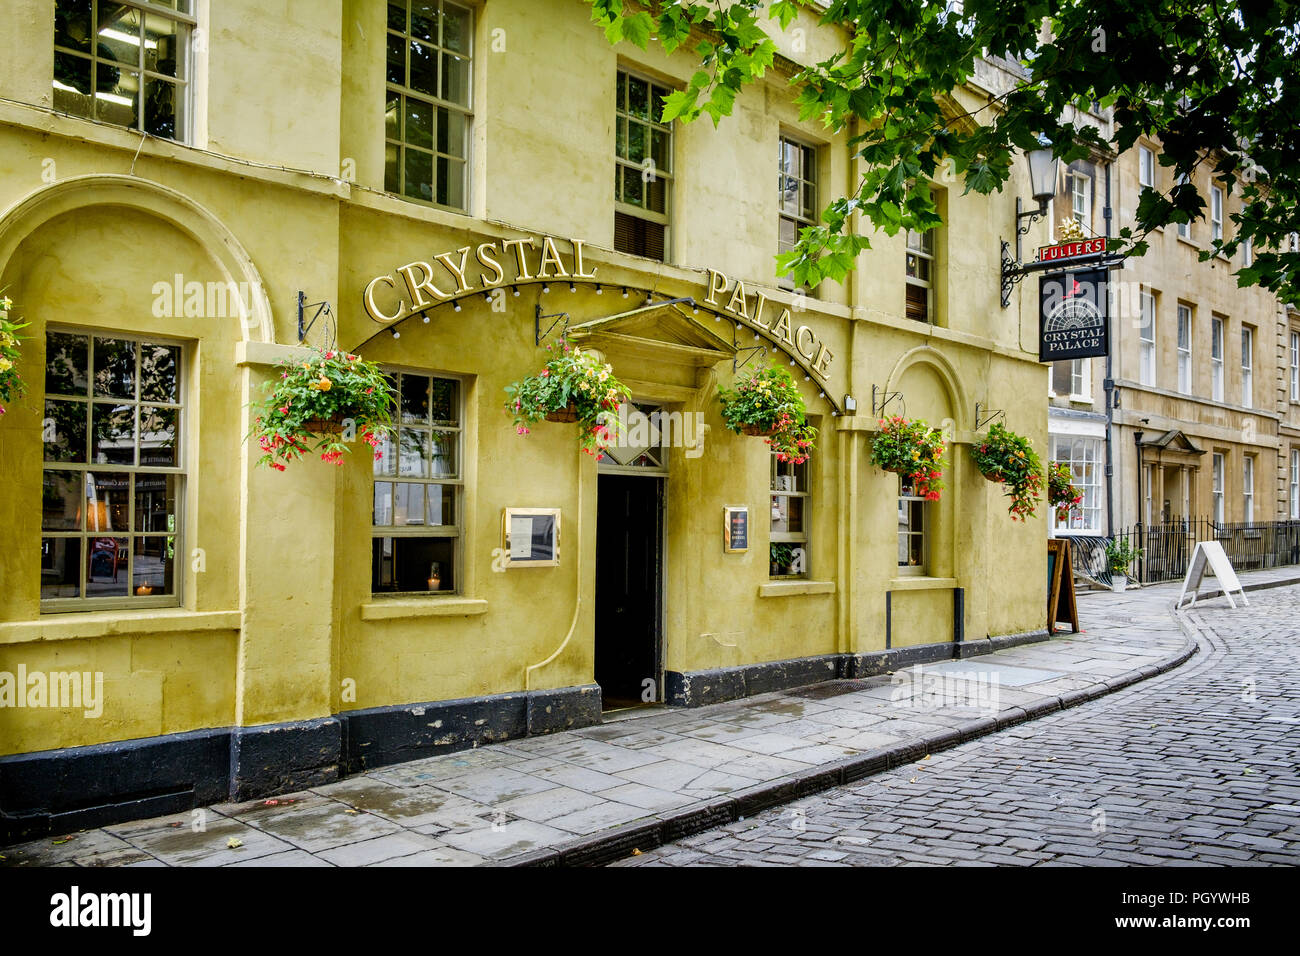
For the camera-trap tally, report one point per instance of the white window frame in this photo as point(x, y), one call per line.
point(1184, 228)
point(1247, 366)
point(1295, 484)
point(1086, 470)
point(186, 23)
point(1080, 381)
point(1295, 366)
point(1148, 492)
point(1217, 464)
point(1081, 201)
point(1146, 167)
point(1216, 358)
point(1216, 212)
point(1248, 488)
point(1185, 349)
point(1147, 340)
point(1247, 252)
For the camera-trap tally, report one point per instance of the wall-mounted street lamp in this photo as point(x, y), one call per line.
point(1043, 169)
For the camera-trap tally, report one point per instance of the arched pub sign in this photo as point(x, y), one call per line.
point(1073, 315)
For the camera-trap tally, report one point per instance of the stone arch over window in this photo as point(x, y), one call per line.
point(932, 391)
point(232, 262)
point(930, 387)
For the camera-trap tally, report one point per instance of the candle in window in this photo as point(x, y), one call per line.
point(144, 589)
point(435, 577)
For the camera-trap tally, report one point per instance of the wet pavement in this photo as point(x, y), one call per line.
point(1197, 767)
point(520, 801)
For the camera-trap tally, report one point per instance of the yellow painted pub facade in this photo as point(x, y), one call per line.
point(428, 185)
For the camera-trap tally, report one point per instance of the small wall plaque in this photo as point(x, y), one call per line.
point(735, 529)
point(531, 537)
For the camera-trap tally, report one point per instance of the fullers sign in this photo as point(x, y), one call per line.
point(1073, 319)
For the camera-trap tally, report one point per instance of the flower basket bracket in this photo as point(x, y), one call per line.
point(880, 400)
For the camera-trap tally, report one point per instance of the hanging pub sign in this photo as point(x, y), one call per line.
point(1072, 315)
point(1072, 250)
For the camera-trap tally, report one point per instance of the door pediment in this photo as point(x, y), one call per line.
point(662, 332)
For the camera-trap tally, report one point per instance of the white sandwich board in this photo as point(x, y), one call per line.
point(1211, 554)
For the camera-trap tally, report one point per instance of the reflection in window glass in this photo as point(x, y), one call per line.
point(120, 64)
point(112, 485)
point(427, 115)
point(427, 460)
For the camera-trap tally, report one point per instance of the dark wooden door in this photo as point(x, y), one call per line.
point(628, 567)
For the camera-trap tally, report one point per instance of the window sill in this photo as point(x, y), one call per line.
point(793, 588)
point(921, 583)
point(388, 609)
point(91, 624)
point(1191, 242)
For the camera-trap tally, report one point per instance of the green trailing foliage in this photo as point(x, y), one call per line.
point(1212, 82)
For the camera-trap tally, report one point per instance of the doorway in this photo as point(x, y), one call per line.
point(629, 575)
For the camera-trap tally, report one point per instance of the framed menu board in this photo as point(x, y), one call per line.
point(735, 529)
point(532, 537)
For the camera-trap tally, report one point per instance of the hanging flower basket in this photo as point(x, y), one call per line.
point(1061, 493)
point(11, 384)
point(324, 426)
point(1004, 457)
point(313, 401)
point(768, 405)
point(912, 448)
point(574, 386)
point(569, 413)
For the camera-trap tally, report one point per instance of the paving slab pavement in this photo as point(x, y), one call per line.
point(590, 795)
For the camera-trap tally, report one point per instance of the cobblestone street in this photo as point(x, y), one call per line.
point(1195, 767)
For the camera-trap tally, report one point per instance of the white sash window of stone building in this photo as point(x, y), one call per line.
point(1216, 358)
point(427, 105)
point(1185, 349)
point(1146, 167)
point(418, 486)
point(1071, 378)
point(1247, 366)
point(797, 192)
point(1295, 484)
point(114, 476)
point(1184, 228)
point(1216, 212)
point(1216, 493)
point(1248, 488)
point(643, 167)
point(125, 63)
point(1084, 457)
point(1081, 201)
point(1247, 252)
point(1148, 491)
point(791, 518)
point(1147, 340)
point(1295, 366)
point(920, 275)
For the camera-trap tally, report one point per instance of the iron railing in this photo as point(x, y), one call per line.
point(1167, 547)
